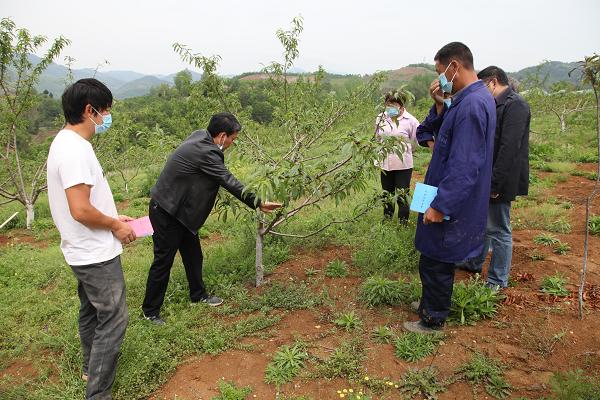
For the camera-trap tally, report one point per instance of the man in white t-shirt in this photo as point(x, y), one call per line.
point(91, 231)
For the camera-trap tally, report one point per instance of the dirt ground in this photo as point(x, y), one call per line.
point(532, 335)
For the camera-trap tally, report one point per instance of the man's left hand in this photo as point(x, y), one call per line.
point(432, 216)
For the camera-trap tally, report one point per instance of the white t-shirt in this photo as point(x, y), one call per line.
point(72, 161)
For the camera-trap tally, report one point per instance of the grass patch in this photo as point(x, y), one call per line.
point(411, 346)
point(228, 391)
point(422, 382)
point(574, 385)
point(344, 362)
point(287, 364)
point(546, 239)
point(378, 290)
point(348, 321)
point(472, 301)
point(389, 250)
point(336, 269)
point(594, 224)
point(482, 370)
point(555, 285)
point(383, 335)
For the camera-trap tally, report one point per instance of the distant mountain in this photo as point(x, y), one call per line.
point(138, 87)
point(550, 72)
point(126, 84)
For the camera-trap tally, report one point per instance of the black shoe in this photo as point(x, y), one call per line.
point(155, 319)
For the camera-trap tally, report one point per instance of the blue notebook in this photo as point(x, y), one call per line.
point(422, 198)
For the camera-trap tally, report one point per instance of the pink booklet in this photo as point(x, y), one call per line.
point(142, 227)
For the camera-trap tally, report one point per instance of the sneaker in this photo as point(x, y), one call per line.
point(155, 319)
point(212, 301)
point(420, 327)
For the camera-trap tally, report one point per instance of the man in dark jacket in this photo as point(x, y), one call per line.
point(181, 201)
point(461, 168)
point(510, 174)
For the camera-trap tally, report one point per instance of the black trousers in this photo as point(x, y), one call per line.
point(169, 236)
point(392, 180)
point(437, 279)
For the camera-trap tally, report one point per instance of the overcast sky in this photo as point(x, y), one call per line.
point(344, 36)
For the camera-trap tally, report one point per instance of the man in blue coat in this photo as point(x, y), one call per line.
point(460, 167)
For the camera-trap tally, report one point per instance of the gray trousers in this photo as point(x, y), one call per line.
point(103, 319)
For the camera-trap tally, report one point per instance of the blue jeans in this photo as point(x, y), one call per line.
point(498, 236)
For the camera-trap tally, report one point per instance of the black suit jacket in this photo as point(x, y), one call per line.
point(188, 185)
point(510, 171)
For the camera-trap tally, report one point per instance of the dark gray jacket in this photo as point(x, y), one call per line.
point(187, 186)
point(510, 170)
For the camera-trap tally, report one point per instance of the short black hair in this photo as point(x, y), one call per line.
point(491, 72)
point(80, 94)
point(455, 51)
point(396, 96)
point(223, 122)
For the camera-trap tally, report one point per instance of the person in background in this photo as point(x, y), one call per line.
point(510, 175)
point(396, 170)
point(460, 168)
point(180, 203)
point(91, 232)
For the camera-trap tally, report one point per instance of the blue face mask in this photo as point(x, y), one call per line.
point(392, 111)
point(448, 102)
point(106, 123)
point(446, 85)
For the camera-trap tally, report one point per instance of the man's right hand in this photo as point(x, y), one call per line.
point(436, 92)
point(430, 144)
point(123, 232)
point(269, 206)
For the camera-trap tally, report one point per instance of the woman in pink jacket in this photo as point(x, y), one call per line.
point(396, 169)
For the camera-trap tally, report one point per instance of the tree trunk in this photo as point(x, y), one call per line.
point(563, 124)
point(260, 272)
point(30, 214)
point(126, 187)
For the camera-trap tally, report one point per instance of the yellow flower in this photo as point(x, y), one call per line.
point(351, 391)
point(342, 395)
point(396, 386)
point(366, 378)
point(339, 391)
point(345, 391)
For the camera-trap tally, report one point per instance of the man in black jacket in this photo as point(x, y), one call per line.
point(510, 174)
point(181, 201)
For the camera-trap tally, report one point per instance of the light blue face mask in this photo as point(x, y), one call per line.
point(446, 85)
point(106, 123)
point(392, 111)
